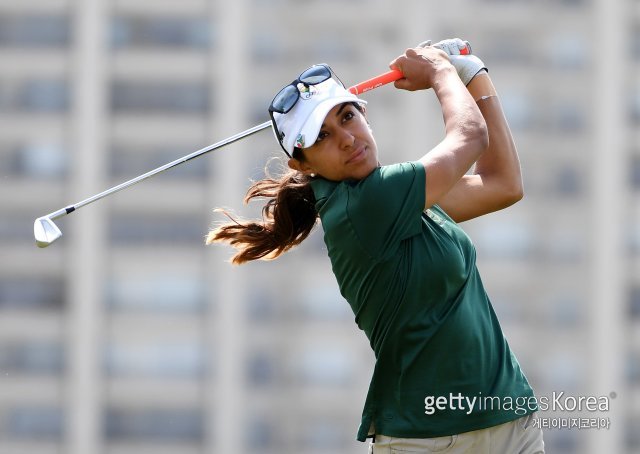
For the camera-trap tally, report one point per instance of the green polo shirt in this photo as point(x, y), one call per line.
point(411, 280)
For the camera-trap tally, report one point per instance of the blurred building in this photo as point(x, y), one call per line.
point(129, 336)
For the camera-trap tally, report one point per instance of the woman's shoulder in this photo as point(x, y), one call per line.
point(388, 181)
point(391, 174)
point(400, 168)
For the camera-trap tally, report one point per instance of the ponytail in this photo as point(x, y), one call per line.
point(287, 219)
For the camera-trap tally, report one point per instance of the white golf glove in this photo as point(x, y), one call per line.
point(467, 66)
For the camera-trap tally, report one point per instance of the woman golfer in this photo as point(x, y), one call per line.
point(445, 378)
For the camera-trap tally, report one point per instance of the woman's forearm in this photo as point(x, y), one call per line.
point(465, 140)
point(461, 115)
point(499, 162)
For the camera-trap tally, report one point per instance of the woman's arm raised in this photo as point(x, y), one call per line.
point(496, 181)
point(465, 129)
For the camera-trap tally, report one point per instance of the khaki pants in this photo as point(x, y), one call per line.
point(515, 437)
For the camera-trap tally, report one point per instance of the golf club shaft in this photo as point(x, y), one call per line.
point(359, 88)
point(71, 208)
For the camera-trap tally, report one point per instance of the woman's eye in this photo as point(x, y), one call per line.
point(321, 136)
point(348, 115)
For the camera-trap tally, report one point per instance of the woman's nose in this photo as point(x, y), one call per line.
point(346, 138)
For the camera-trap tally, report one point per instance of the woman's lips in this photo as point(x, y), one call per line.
point(357, 155)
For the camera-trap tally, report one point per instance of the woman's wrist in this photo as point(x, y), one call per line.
point(481, 87)
point(444, 76)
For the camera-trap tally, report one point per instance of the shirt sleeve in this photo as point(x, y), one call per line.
point(386, 207)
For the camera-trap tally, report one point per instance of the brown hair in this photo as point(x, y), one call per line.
point(288, 217)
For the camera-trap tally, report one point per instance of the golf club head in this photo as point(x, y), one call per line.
point(45, 232)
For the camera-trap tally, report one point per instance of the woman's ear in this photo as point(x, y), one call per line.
point(300, 166)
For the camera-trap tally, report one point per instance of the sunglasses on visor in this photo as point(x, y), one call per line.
point(286, 98)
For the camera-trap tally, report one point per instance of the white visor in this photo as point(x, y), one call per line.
point(301, 125)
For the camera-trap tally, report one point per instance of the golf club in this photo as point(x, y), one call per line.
point(46, 231)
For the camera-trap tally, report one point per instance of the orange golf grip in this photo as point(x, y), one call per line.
point(388, 77)
point(382, 79)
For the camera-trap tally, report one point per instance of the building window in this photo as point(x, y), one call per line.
point(563, 310)
point(126, 229)
point(568, 181)
point(262, 306)
point(511, 239)
point(31, 293)
point(562, 243)
point(508, 47)
point(324, 366)
point(261, 435)
point(635, 42)
point(634, 105)
point(564, 369)
point(34, 95)
point(31, 423)
point(155, 359)
point(15, 228)
point(157, 293)
point(519, 109)
point(632, 433)
point(634, 302)
point(35, 159)
point(261, 370)
point(573, 3)
point(153, 97)
point(324, 302)
point(634, 172)
point(265, 48)
point(566, 117)
point(633, 237)
point(327, 435)
point(35, 31)
point(568, 51)
point(154, 425)
point(32, 358)
point(633, 368)
point(334, 49)
point(42, 95)
point(148, 32)
point(566, 441)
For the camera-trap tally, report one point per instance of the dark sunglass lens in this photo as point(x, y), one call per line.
point(315, 75)
point(285, 99)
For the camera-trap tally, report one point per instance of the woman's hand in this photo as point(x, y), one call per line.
point(420, 67)
point(467, 65)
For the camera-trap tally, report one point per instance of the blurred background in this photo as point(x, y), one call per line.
point(130, 336)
